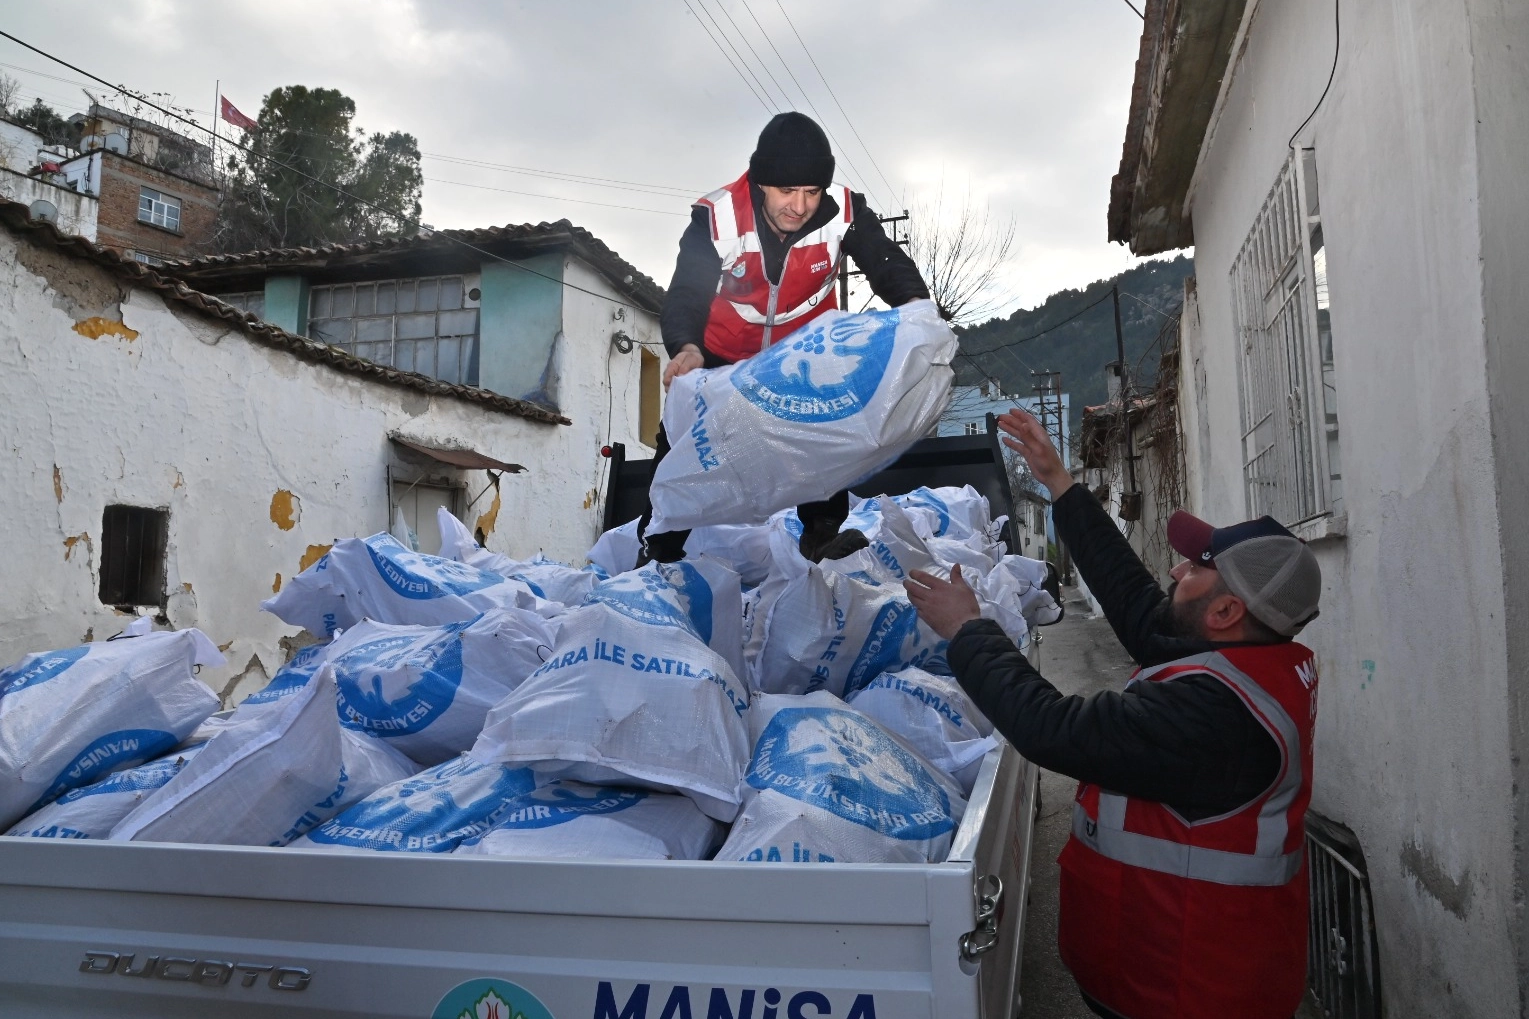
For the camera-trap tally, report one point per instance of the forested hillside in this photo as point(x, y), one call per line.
point(1079, 348)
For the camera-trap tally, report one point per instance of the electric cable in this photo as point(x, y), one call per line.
point(449, 235)
point(1134, 11)
point(835, 98)
point(665, 190)
point(764, 66)
point(555, 198)
point(769, 106)
point(1051, 328)
point(1337, 44)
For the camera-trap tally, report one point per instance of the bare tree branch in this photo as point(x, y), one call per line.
point(961, 256)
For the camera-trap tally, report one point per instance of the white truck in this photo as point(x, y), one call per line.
point(160, 931)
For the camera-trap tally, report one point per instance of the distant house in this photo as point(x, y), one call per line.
point(31, 174)
point(169, 454)
point(1354, 364)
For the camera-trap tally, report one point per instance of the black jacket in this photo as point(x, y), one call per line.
point(891, 273)
point(1188, 742)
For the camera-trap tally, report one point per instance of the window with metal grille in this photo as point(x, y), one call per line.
point(1287, 381)
point(427, 325)
point(159, 209)
point(133, 556)
point(973, 428)
point(252, 302)
point(1343, 954)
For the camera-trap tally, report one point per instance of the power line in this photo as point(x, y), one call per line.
point(555, 198)
point(769, 106)
point(661, 190)
point(1051, 328)
point(449, 235)
point(835, 98)
point(762, 64)
point(1337, 44)
point(813, 107)
point(1139, 14)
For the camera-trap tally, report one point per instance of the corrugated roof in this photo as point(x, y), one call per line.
point(529, 238)
point(14, 216)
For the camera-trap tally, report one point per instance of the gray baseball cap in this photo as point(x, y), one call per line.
point(1270, 569)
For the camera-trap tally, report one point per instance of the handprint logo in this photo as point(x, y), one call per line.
point(827, 371)
point(661, 594)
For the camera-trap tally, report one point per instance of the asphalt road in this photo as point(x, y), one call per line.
point(1079, 656)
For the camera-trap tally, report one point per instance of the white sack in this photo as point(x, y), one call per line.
point(71, 716)
point(827, 784)
point(427, 813)
point(273, 772)
point(815, 629)
point(556, 582)
point(934, 716)
point(426, 689)
point(745, 548)
point(573, 820)
point(377, 578)
point(957, 512)
point(632, 694)
point(90, 812)
point(828, 405)
point(1016, 585)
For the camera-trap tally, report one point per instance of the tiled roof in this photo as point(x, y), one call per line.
point(621, 274)
point(14, 216)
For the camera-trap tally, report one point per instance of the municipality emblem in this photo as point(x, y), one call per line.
point(490, 999)
point(827, 371)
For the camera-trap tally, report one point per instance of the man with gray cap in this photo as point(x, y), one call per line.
point(1183, 890)
point(759, 261)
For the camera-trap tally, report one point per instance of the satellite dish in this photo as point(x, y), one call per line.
point(116, 143)
point(43, 211)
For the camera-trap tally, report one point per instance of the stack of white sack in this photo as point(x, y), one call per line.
point(934, 716)
point(639, 690)
point(271, 773)
point(427, 813)
point(377, 578)
point(556, 582)
point(92, 811)
point(829, 785)
point(745, 548)
point(826, 406)
point(572, 820)
point(70, 717)
point(426, 689)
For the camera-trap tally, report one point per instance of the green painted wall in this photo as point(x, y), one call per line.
point(519, 317)
point(286, 303)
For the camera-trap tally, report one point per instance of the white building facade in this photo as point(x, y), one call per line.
point(1354, 363)
point(251, 449)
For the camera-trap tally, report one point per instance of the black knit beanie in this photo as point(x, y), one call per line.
point(793, 151)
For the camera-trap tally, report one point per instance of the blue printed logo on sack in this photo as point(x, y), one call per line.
point(922, 496)
point(104, 755)
point(431, 812)
point(561, 802)
point(490, 999)
point(661, 594)
point(844, 763)
point(827, 371)
point(359, 672)
point(291, 677)
point(421, 577)
point(892, 644)
point(39, 668)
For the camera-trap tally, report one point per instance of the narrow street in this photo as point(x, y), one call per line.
point(1079, 656)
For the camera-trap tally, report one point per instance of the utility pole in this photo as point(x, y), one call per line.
point(845, 274)
point(1130, 500)
point(1048, 386)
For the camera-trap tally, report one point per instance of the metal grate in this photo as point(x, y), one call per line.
point(1274, 303)
point(1343, 957)
point(133, 556)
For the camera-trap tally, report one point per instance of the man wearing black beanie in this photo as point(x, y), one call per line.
point(759, 261)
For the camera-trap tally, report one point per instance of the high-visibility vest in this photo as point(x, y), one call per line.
point(749, 313)
point(1165, 918)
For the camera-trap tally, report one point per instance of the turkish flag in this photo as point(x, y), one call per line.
point(231, 113)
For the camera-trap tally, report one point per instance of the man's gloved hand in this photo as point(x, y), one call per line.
point(687, 360)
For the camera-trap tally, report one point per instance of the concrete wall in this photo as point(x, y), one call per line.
point(18, 147)
point(76, 211)
point(119, 228)
point(109, 395)
point(1420, 713)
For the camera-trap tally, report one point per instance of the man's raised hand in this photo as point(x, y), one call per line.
point(1024, 435)
point(944, 605)
point(686, 361)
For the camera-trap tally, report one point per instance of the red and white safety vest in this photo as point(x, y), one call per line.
point(749, 313)
point(1164, 918)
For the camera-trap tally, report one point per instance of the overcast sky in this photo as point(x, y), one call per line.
point(1020, 103)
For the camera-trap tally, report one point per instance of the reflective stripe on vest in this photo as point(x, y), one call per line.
point(735, 233)
point(1268, 864)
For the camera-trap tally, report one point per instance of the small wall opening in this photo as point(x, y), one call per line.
point(1343, 960)
point(649, 390)
point(133, 556)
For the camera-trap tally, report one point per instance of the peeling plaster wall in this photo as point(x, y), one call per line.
point(109, 395)
point(1414, 743)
